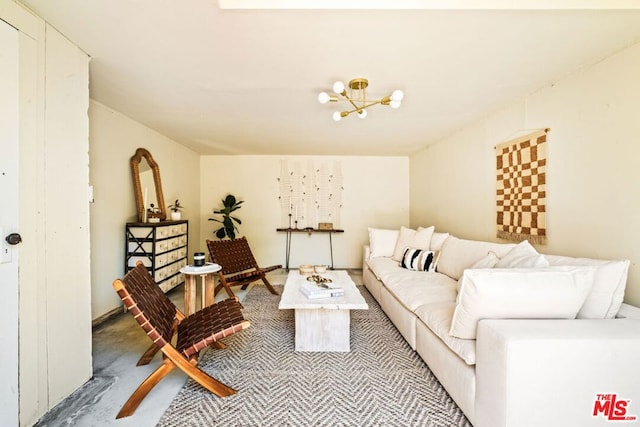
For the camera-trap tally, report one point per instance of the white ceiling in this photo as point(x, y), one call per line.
point(245, 81)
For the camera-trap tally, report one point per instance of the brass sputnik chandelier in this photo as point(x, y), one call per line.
point(357, 97)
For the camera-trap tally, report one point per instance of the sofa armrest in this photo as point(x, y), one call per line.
point(551, 372)
point(366, 252)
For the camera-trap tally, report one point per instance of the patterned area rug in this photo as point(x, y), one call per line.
point(381, 382)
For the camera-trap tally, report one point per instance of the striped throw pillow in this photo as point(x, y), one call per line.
point(418, 260)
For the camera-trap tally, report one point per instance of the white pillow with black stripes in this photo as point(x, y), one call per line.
point(418, 260)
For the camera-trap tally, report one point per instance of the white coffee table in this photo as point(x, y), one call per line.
point(322, 324)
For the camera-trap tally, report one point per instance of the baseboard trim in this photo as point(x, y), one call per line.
point(107, 316)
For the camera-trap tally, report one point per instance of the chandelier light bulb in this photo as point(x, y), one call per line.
point(362, 114)
point(337, 116)
point(338, 87)
point(397, 95)
point(323, 97)
point(395, 104)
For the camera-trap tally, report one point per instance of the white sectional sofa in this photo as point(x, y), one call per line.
point(516, 338)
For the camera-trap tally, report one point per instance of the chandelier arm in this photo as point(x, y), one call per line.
point(358, 109)
point(352, 102)
point(363, 107)
point(373, 103)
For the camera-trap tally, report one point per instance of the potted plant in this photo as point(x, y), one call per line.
point(175, 210)
point(153, 213)
point(230, 204)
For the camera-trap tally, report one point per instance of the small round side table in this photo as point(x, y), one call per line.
point(207, 273)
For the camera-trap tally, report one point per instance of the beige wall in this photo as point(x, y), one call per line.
point(593, 185)
point(375, 195)
point(114, 138)
point(201, 182)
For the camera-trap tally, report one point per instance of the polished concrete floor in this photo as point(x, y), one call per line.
point(117, 345)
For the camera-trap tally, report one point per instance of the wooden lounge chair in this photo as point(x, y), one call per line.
point(161, 319)
point(239, 267)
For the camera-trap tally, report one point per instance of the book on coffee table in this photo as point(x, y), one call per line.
point(313, 291)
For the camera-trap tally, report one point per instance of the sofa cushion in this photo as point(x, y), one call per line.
point(383, 267)
point(382, 242)
point(437, 317)
point(522, 255)
point(607, 293)
point(519, 293)
point(417, 260)
point(459, 254)
point(409, 238)
point(413, 288)
point(416, 288)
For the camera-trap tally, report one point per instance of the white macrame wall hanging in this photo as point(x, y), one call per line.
point(310, 193)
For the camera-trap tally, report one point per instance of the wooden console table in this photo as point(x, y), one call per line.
point(290, 232)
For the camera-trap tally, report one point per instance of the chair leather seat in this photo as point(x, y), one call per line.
point(211, 324)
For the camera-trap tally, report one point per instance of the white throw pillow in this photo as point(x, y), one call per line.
point(519, 293)
point(414, 239)
point(488, 261)
point(437, 239)
point(459, 254)
point(605, 298)
point(523, 255)
point(382, 242)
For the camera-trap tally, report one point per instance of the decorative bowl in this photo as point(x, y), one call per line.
point(306, 269)
point(319, 269)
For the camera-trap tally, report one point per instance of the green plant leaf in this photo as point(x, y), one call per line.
point(229, 204)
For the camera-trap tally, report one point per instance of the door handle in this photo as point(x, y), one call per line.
point(13, 239)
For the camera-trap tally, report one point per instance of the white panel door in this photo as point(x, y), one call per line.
point(9, 104)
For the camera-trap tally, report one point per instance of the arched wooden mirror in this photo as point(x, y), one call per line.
point(146, 184)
